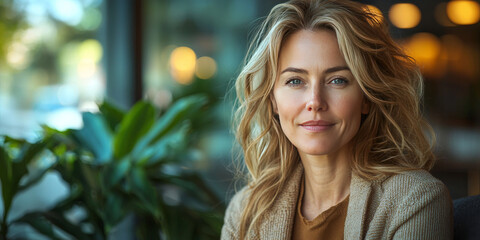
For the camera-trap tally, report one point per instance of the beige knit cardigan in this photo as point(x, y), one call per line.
point(410, 205)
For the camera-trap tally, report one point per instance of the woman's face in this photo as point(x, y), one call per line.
point(318, 100)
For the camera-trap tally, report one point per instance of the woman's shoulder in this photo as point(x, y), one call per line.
point(239, 200)
point(411, 205)
point(411, 180)
point(233, 214)
point(414, 186)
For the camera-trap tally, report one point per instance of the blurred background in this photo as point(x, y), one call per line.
point(59, 58)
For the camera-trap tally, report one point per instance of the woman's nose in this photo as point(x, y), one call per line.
point(316, 101)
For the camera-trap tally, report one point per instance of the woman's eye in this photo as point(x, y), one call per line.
point(339, 81)
point(294, 82)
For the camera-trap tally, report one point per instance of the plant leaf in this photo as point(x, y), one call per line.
point(145, 231)
point(30, 151)
point(167, 146)
point(133, 126)
point(55, 218)
point(90, 175)
point(61, 222)
point(194, 186)
point(115, 210)
point(140, 185)
point(112, 114)
point(34, 178)
point(40, 224)
point(95, 136)
point(179, 223)
point(174, 116)
point(114, 173)
point(6, 179)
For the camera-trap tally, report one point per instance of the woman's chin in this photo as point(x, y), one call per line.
point(316, 151)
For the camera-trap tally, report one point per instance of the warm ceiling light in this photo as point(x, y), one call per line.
point(182, 63)
point(463, 12)
point(425, 48)
point(206, 67)
point(404, 15)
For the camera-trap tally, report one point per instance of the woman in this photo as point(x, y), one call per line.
point(332, 133)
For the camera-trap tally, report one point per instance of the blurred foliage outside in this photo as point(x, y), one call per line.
point(49, 63)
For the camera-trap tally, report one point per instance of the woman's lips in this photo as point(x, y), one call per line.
point(316, 126)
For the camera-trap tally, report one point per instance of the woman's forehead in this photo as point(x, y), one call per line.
point(309, 49)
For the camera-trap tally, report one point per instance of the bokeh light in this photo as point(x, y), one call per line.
point(463, 12)
point(404, 15)
point(17, 55)
point(182, 64)
point(206, 67)
point(425, 48)
point(162, 98)
point(30, 36)
point(91, 19)
point(89, 54)
point(91, 49)
point(68, 11)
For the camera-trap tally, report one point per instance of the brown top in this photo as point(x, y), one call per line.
point(328, 225)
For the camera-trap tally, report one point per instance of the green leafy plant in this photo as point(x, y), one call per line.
point(15, 157)
point(134, 164)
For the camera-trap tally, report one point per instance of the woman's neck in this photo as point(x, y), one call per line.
point(327, 182)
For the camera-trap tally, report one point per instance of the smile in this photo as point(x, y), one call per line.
point(316, 126)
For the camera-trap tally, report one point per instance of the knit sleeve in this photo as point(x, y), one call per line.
point(425, 213)
point(230, 229)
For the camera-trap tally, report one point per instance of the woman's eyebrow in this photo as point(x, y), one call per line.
point(303, 71)
point(295, 70)
point(336, 69)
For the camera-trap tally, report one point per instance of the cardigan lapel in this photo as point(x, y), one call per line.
point(279, 220)
point(360, 191)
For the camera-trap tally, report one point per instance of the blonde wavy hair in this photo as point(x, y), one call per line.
point(392, 138)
